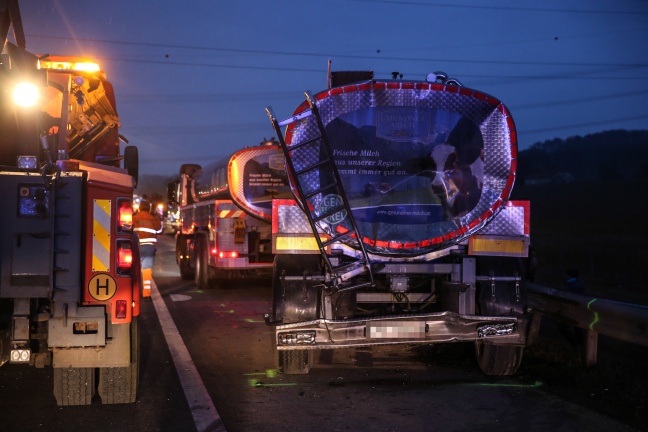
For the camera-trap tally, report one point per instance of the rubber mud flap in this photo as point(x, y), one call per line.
point(498, 360)
point(294, 362)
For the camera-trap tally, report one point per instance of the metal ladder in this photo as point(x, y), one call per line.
point(314, 157)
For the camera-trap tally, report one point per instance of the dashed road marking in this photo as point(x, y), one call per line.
point(179, 297)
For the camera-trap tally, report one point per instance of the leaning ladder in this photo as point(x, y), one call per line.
point(313, 157)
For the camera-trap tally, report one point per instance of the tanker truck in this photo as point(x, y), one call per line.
point(224, 211)
point(401, 231)
point(69, 263)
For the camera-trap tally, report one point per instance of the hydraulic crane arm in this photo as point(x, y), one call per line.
point(10, 15)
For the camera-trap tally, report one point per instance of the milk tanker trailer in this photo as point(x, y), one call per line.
point(401, 231)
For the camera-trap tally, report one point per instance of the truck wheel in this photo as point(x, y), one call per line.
point(202, 264)
point(295, 301)
point(118, 385)
point(498, 360)
point(74, 386)
point(183, 263)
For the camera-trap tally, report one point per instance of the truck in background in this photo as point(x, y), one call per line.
point(225, 215)
point(69, 268)
point(401, 230)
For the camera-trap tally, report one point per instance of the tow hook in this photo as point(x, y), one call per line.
point(266, 318)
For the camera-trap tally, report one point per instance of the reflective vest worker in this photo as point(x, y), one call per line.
point(147, 227)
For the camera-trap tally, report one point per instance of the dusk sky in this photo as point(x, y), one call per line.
point(193, 77)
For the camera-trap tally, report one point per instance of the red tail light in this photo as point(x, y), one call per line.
point(232, 254)
point(124, 257)
point(120, 309)
point(125, 217)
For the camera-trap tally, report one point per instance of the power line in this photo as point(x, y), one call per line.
point(505, 8)
point(575, 126)
point(578, 101)
point(326, 55)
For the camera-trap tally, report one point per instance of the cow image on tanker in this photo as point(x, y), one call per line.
point(442, 167)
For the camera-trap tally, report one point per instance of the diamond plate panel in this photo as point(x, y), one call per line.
point(509, 221)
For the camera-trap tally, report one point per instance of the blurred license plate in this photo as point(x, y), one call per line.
point(397, 330)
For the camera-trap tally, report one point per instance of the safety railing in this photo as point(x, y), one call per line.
point(623, 321)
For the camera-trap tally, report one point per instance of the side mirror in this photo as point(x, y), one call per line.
point(131, 163)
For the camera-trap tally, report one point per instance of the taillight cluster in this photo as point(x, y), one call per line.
point(224, 254)
point(125, 215)
point(124, 247)
point(124, 257)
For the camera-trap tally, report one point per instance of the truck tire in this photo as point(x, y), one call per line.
point(498, 360)
point(202, 264)
point(186, 272)
point(290, 305)
point(74, 386)
point(118, 385)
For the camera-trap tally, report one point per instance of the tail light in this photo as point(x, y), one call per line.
point(124, 257)
point(120, 309)
point(125, 215)
point(232, 254)
point(224, 254)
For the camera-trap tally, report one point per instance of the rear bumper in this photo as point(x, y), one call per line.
point(442, 327)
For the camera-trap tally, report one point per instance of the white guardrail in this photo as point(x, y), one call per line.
point(623, 321)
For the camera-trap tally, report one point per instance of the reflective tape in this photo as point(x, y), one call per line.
point(148, 230)
point(101, 235)
point(230, 214)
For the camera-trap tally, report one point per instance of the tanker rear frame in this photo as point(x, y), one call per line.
point(218, 241)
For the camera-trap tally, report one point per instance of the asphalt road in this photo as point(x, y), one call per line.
point(434, 388)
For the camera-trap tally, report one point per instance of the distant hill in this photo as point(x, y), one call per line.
point(615, 154)
point(588, 210)
point(152, 185)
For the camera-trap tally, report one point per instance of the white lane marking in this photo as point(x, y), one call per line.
point(205, 415)
point(179, 297)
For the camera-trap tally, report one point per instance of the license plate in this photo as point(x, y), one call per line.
point(397, 330)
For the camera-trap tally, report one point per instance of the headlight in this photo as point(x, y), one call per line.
point(25, 95)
